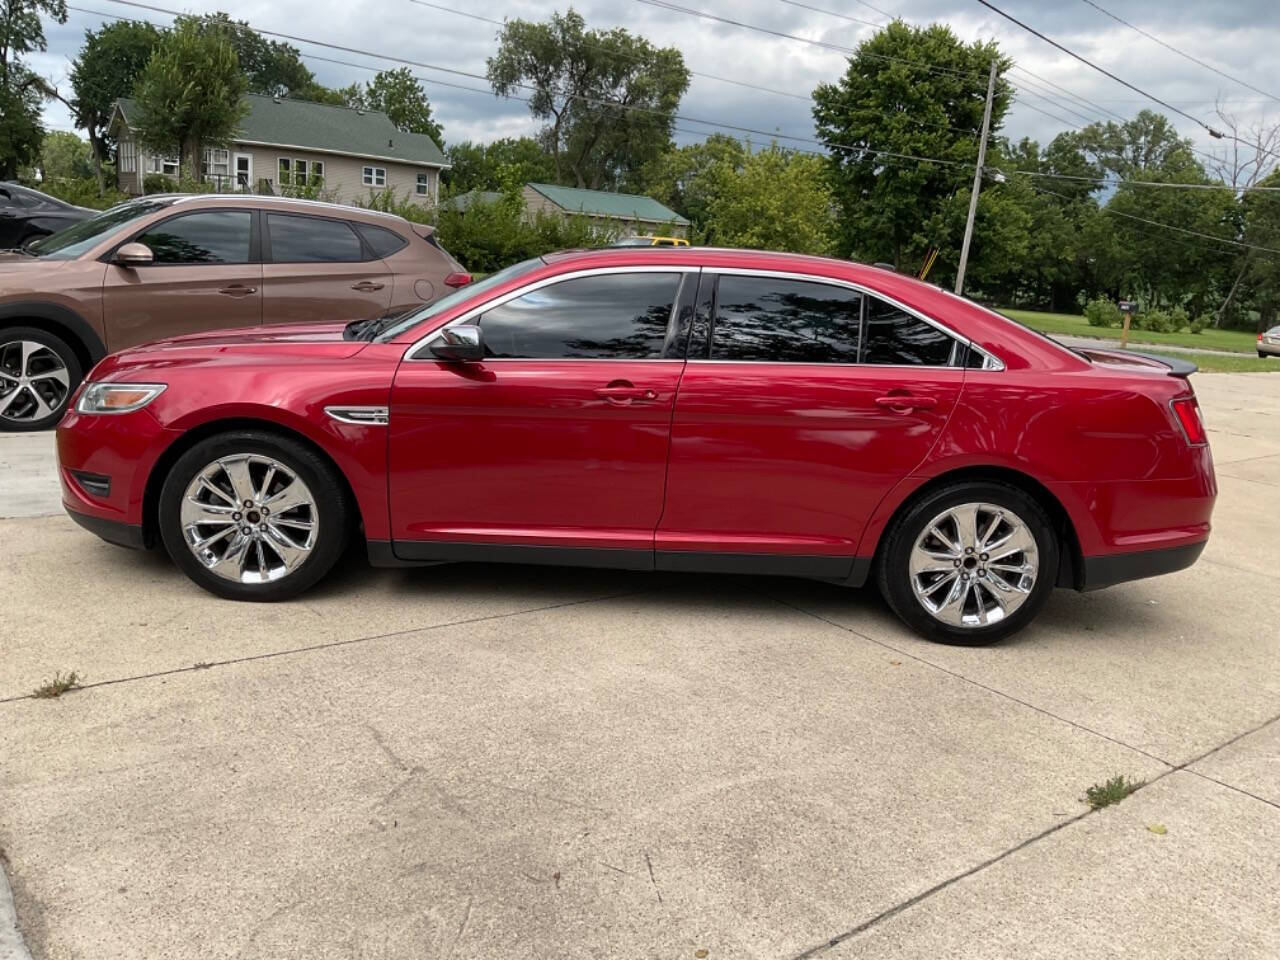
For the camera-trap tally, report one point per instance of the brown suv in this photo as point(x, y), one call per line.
point(162, 266)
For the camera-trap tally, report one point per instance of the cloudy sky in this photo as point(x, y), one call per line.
point(1242, 38)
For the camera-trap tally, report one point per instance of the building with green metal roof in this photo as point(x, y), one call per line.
point(617, 212)
point(349, 154)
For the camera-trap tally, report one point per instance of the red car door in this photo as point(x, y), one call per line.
point(795, 421)
point(554, 447)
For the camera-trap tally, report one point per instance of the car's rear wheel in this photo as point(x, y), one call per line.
point(253, 516)
point(970, 563)
point(38, 374)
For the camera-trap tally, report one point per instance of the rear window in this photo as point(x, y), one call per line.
point(381, 241)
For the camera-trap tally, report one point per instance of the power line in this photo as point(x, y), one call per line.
point(696, 73)
point(832, 13)
point(1089, 63)
point(1181, 53)
point(1169, 226)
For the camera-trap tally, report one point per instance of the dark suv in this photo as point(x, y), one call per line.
point(162, 266)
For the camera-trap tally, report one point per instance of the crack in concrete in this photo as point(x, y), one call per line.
point(978, 868)
point(329, 645)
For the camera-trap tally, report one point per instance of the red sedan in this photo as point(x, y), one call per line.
point(657, 409)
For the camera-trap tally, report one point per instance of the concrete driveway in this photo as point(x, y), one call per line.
point(484, 761)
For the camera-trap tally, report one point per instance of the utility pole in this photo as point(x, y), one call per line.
point(977, 182)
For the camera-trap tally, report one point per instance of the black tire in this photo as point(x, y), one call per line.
point(333, 514)
point(19, 422)
point(894, 577)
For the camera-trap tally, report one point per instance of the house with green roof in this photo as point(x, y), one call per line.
point(613, 212)
point(282, 145)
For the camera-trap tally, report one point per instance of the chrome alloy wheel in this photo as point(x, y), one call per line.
point(249, 518)
point(34, 382)
point(974, 565)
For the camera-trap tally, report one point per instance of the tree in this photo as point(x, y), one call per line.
point(909, 90)
point(1262, 272)
point(271, 67)
point(399, 94)
point(1147, 142)
point(778, 200)
point(686, 179)
point(478, 166)
point(64, 156)
point(191, 94)
point(609, 97)
point(108, 67)
point(21, 91)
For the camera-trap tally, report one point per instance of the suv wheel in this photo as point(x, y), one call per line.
point(38, 374)
point(971, 563)
point(253, 516)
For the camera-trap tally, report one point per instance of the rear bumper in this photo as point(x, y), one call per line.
point(1269, 349)
point(1099, 572)
point(113, 531)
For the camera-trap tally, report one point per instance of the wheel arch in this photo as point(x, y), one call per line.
point(62, 322)
point(211, 428)
point(1070, 564)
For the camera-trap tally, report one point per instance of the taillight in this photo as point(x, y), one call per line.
point(1259, 337)
point(457, 279)
point(1187, 410)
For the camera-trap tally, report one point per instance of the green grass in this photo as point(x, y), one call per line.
point(1233, 341)
point(1112, 791)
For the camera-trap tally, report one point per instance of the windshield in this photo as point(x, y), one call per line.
point(458, 296)
point(76, 239)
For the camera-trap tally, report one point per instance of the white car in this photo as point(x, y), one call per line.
point(1269, 343)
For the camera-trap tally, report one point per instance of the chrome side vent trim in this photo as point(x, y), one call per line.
point(360, 416)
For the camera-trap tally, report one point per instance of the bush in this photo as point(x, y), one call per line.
point(1154, 321)
point(1200, 322)
point(1179, 319)
point(83, 192)
point(158, 183)
point(1101, 312)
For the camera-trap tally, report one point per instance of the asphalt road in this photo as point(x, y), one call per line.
point(486, 761)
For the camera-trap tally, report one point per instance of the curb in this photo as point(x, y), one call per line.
point(12, 946)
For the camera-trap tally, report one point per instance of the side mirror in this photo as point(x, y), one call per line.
point(133, 255)
point(459, 343)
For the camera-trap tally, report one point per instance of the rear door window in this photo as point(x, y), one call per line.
point(622, 316)
point(895, 337)
point(296, 239)
point(785, 321)
point(210, 236)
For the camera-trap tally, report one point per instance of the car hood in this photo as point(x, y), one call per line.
point(15, 261)
point(281, 333)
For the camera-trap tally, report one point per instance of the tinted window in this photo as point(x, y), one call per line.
point(312, 240)
point(787, 321)
point(211, 236)
point(381, 241)
point(618, 317)
point(895, 336)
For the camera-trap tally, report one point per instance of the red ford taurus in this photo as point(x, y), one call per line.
point(657, 409)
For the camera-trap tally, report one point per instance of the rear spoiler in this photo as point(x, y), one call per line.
point(423, 230)
point(1177, 367)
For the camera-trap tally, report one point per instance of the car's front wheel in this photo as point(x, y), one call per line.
point(250, 515)
point(38, 374)
point(970, 563)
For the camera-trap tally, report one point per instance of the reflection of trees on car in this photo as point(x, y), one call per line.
point(761, 318)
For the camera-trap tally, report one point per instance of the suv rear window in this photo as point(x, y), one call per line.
point(381, 241)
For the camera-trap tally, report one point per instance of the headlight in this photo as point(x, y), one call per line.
point(118, 397)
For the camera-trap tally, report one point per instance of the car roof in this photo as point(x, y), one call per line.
point(284, 203)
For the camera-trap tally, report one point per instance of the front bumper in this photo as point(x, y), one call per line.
point(1105, 571)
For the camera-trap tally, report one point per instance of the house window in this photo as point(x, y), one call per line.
point(165, 165)
point(424, 185)
point(216, 166)
point(294, 171)
point(128, 156)
point(375, 176)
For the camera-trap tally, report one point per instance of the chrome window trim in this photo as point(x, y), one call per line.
point(361, 416)
point(545, 282)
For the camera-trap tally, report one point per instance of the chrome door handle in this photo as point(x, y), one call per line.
point(238, 290)
point(624, 393)
point(906, 401)
point(367, 286)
